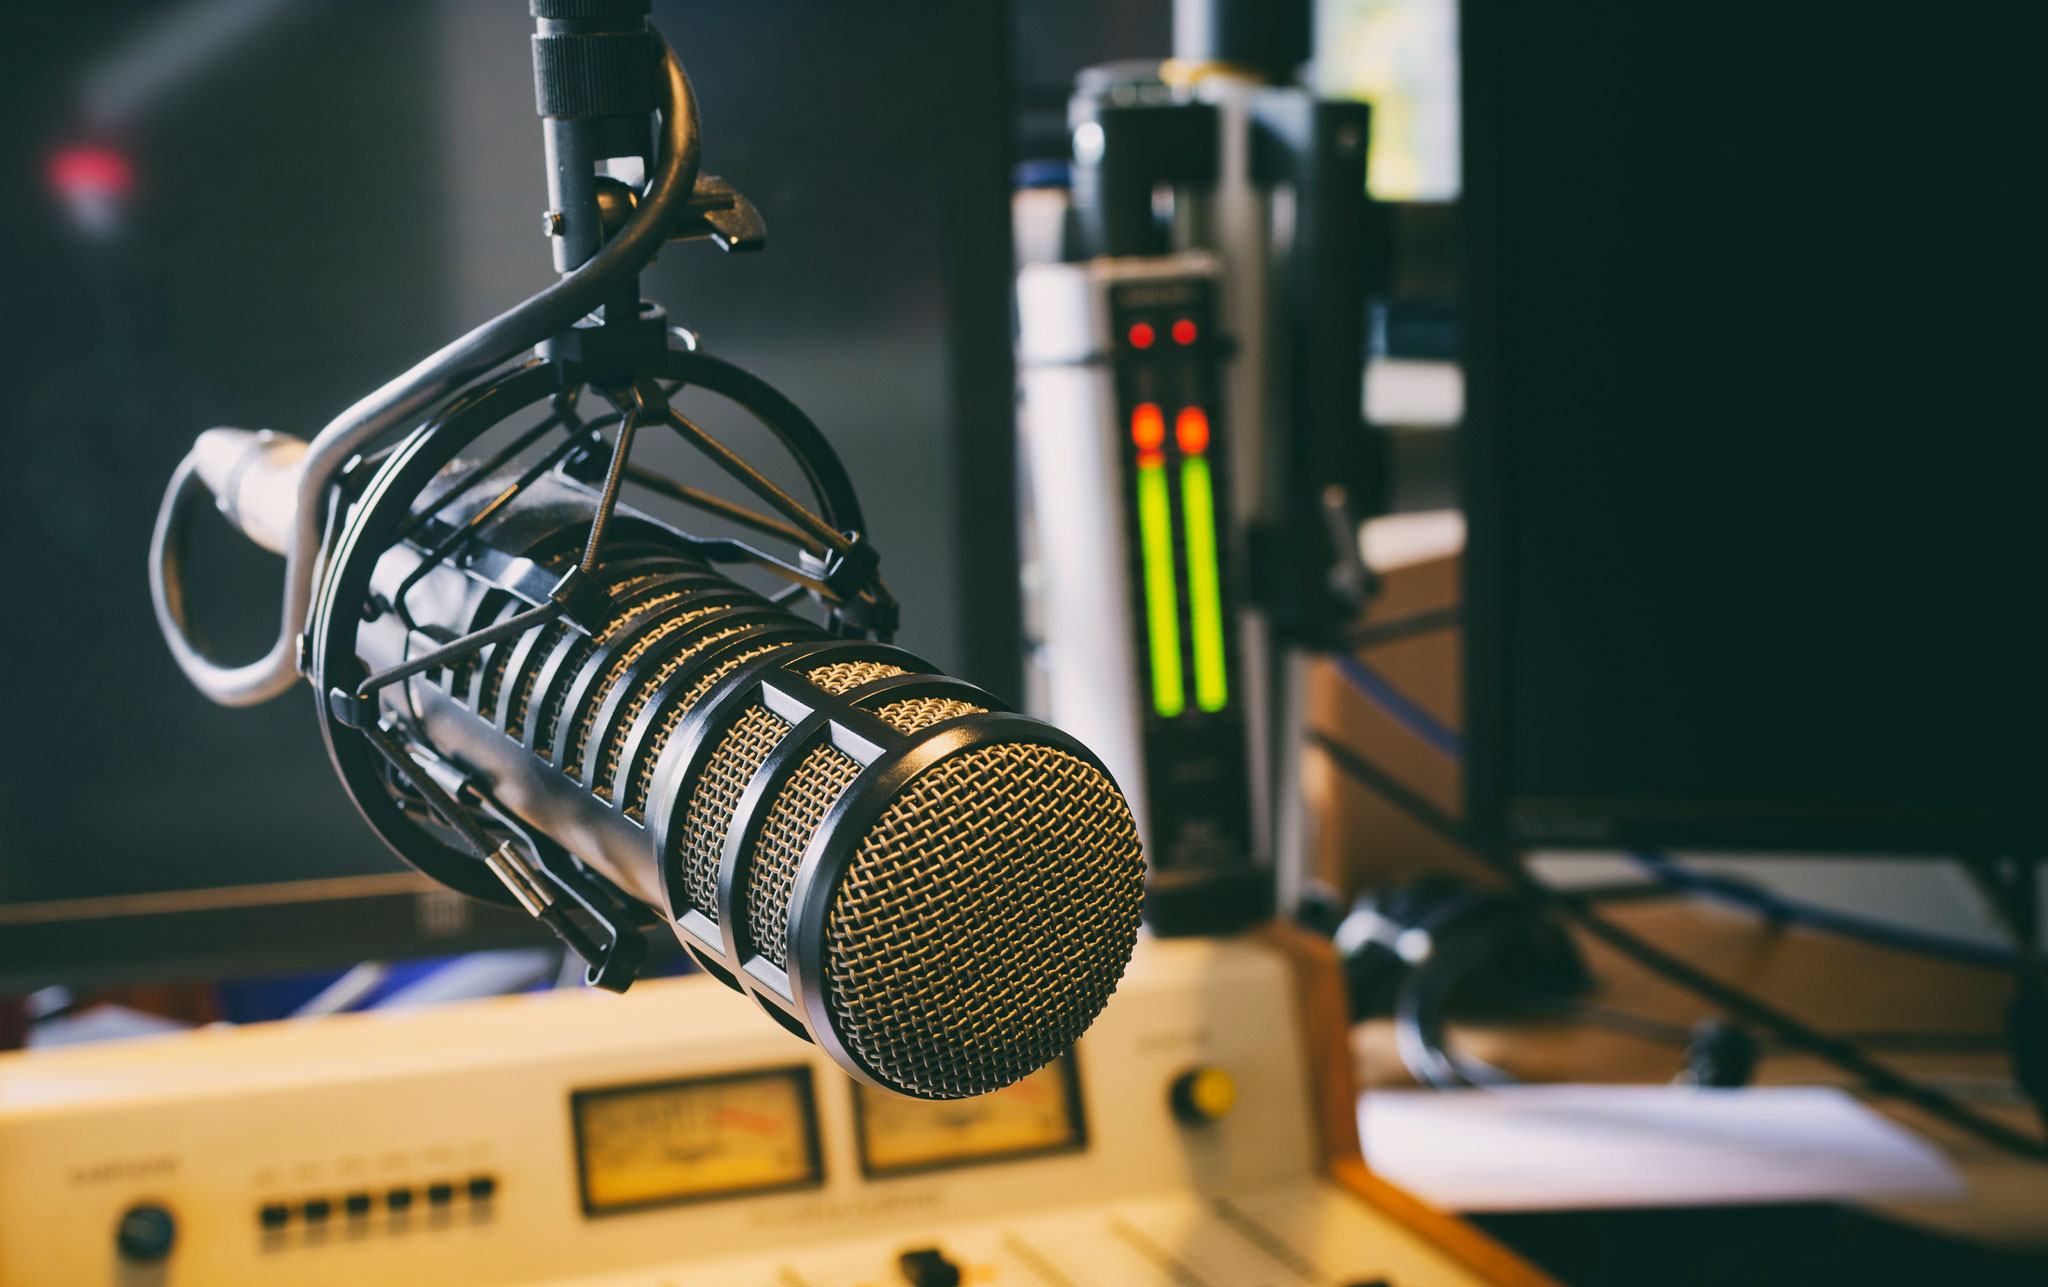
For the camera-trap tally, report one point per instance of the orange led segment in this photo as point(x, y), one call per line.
point(1191, 430)
point(1141, 336)
point(1184, 331)
point(1150, 458)
point(1148, 426)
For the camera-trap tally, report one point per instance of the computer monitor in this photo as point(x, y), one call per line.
point(253, 214)
point(1753, 456)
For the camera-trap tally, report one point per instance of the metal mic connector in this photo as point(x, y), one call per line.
point(254, 478)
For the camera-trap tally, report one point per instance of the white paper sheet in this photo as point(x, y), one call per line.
point(1547, 1148)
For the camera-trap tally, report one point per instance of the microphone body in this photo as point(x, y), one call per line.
point(940, 892)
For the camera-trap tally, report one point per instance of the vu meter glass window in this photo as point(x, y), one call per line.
point(647, 1145)
point(1040, 1114)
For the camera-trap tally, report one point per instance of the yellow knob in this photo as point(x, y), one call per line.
point(1203, 1095)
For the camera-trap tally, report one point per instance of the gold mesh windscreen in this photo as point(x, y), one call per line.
point(627, 604)
point(793, 818)
point(671, 720)
point(838, 676)
point(651, 633)
point(984, 920)
point(724, 778)
point(919, 713)
point(643, 692)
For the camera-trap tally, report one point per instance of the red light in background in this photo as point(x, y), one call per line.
point(1141, 336)
point(1148, 426)
point(1191, 430)
point(1184, 331)
point(91, 170)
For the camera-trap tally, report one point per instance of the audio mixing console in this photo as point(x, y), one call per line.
point(676, 1137)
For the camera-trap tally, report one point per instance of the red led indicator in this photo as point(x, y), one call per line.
point(1148, 426)
point(1191, 430)
point(91, 170)
point(1184, 332)
point(1141, 336)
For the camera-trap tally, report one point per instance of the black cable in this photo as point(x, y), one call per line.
point(1392, 703)
point(1396, 792)
point(1874, 1076)
point(1781, 910)
point(1415, 623)
point(1419, 1018)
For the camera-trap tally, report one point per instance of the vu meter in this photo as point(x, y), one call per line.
point(1139, 631)
point(1040, 1114)
point(654, 1144)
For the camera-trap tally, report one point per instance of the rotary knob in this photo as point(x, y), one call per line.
point(928, 1267)
point(1203, 1095)
point(146, 1233)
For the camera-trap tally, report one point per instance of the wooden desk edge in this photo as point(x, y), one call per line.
point(1325, 1015)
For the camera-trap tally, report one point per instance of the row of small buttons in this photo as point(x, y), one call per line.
point(276, 1215)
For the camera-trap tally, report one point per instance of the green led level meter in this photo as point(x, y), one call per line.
point(1205, 583)
point(1162, 595)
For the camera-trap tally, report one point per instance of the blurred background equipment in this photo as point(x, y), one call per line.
point(1139, 610)
point(1209, 270)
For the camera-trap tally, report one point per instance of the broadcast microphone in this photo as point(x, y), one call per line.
point(539, 694)
point(940, 893)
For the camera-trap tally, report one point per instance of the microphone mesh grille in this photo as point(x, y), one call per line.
point(920, 713)
point(671, 720)
point(817, 784)
point(983, 921)
point(643, 692)
point(723, 779)
point(838, 676)
point(628, 601)
point(651, 632)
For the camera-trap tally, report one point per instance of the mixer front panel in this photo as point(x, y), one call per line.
point(584, 1137)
